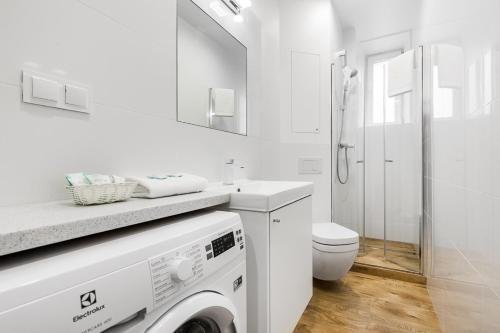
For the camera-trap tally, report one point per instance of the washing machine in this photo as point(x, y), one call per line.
point(173, 275)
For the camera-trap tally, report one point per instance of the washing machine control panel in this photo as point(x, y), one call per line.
point(182, 269)
point(173, 271)
point(225, 242)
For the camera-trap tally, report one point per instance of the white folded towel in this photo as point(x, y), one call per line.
point(223, 102)
point(164, 186)
point(449, 60)
point(400, 74)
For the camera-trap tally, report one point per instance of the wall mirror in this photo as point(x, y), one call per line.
point(211, 72)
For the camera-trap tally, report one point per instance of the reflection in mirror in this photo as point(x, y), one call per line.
point(211, 72)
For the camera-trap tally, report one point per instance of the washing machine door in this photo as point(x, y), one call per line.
point(205, 312)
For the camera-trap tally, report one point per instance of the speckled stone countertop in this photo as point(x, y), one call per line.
point(30, 226)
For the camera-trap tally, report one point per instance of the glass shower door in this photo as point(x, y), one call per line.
point(403, 176)
point(391, 168)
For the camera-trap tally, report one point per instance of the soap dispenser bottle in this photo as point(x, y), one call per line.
point(229, 172)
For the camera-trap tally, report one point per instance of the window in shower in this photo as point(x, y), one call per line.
point(383, 109)
point(383, 106)
point(443, 97)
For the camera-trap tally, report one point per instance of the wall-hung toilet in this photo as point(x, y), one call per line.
point(334, 250)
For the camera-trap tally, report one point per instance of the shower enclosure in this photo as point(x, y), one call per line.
point(377, 158)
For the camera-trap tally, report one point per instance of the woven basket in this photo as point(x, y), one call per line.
point(101, 194)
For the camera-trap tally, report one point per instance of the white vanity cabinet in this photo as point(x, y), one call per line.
point(279, 265)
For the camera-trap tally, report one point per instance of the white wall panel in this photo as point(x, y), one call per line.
point(305, 92)
point(126, 53)
point(463, 172)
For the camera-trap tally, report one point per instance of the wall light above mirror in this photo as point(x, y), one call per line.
point(235, 6)
point(211, 68)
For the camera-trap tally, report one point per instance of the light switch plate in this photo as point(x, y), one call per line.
point(310, 165)
point(76, 95)
point(48, 90)
point(45, 89)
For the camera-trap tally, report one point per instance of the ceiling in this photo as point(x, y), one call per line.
point(375, 18)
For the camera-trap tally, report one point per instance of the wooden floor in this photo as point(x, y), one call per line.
point(373, 254)
point(364, 303)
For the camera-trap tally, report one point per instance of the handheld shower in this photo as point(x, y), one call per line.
point(349, 75)
point(348, 85)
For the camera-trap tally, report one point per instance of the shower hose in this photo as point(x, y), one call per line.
point(339, 147)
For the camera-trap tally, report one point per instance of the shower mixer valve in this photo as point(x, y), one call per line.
point(343, 145)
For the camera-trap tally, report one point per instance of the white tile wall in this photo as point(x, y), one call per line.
point(126, 52)
point(348, 198)
point(462, 175)
point(311, 27)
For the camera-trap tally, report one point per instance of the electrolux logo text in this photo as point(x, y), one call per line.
point(87, 313)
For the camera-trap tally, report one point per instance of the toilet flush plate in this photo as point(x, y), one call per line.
point(310, 165)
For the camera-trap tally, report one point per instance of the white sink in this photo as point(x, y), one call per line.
point(264, 196)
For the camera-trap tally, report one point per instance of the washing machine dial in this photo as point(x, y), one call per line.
point(182, 269)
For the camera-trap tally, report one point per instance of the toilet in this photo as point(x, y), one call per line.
point(334, 250)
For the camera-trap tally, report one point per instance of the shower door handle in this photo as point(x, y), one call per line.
point(389, 161)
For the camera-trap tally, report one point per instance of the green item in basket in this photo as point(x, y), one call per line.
point(76, 179)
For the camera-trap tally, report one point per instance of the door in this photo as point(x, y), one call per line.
point(379, 112)
point(207, 312)
point(393, 168)
point(403, 176)
point(290, 264)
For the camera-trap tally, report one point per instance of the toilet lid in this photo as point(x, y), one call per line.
point(333, 234)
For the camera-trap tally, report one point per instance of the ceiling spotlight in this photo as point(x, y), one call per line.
point(244, 3)
point(218, 8)
point(232, 6)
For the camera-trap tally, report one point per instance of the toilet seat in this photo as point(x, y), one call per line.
point(335, 248)
point(332, 234)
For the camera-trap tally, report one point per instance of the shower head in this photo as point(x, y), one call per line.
point(349, 73)
point(349, 83)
